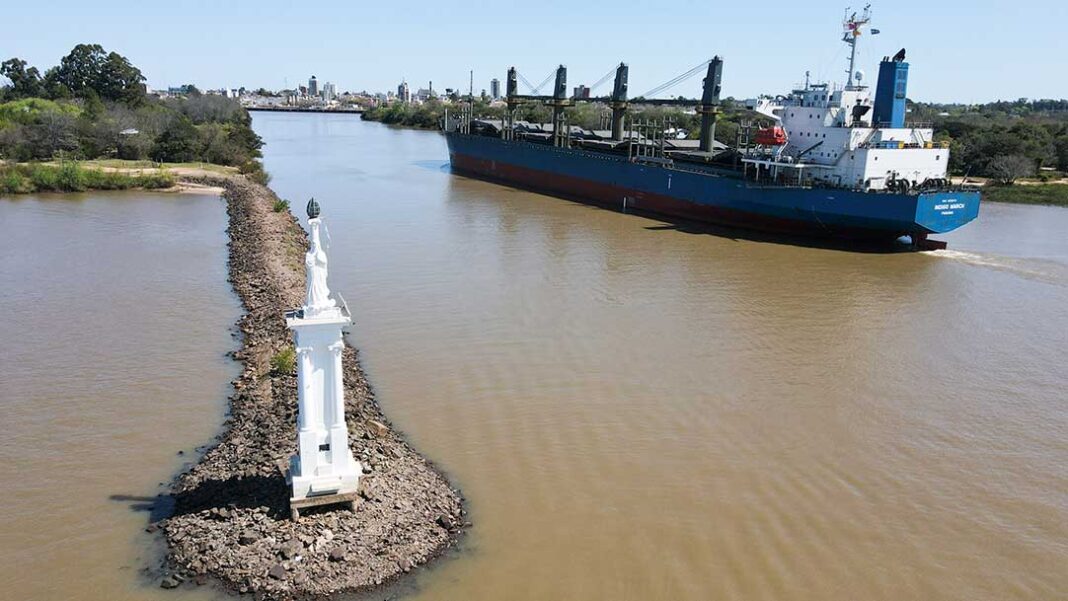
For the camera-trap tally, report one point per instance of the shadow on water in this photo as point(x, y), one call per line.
point(239, 492)
point(738, 234)
point(158, 507)
point(687, 226)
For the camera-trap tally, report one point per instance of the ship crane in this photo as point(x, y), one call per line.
point(558, 100)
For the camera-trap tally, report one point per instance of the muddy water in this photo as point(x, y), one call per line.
point(641, 411)
point(634, 410)
point(116, 317)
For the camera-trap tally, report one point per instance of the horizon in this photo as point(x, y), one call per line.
point(370, 49)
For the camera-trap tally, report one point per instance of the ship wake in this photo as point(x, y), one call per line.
point(1043, 270)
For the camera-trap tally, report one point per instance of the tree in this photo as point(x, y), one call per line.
point(178, 143)
point(1006, 169)
point(52, 132)
point(25, 82)
point(90, 67)
point(1062, 151)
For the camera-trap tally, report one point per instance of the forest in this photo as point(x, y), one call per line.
point(94, 105)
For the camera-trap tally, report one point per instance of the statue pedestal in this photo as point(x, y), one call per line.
point(324, 466)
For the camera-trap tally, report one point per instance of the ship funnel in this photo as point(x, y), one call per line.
point(619, 101)
point(709, 107)
point(890, 92)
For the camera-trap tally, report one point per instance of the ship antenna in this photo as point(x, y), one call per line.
point(852, 27)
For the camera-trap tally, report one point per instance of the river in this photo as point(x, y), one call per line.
point(644, 411)
point(633, 409)
point(117, 318)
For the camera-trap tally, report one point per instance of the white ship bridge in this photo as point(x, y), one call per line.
point(841, 136)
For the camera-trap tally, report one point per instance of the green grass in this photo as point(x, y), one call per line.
point(281, 205)
point(129, 164)
point(1042, 194)
point(284, 362)
point(72, 176)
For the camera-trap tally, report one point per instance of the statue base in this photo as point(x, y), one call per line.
point(311, 491)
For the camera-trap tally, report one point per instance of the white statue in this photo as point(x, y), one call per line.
point(324, 470)
point(318, 298)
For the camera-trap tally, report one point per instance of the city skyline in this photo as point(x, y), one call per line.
point(767, 53)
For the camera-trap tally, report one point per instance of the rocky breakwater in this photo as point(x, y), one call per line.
point(231, 518)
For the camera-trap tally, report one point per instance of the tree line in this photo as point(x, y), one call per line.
point(1001, 140)
point(94, 104)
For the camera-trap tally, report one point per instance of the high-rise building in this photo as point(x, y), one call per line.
point(582, 92)
point(313, 86)
point(329, 91)
point(495, 88)
point(404, 95)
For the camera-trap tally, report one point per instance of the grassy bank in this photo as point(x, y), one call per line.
point(72, 176)
point(129, 165)
point(424, 116)
point(1040, 194)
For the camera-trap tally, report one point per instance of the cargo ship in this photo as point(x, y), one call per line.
point(826, 160)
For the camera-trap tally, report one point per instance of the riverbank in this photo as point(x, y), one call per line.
point(1031, 194)
point(70, 176)
point(424, 116)
point(299, 109)
point(231, 519)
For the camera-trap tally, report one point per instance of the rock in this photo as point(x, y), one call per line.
point(248, 537)
point(337, 554)
point(291, 549)
point(446, 522)
point(169, 582)
point(277, 571)
point(152, 528)
point(404, 565)
point(378, 428)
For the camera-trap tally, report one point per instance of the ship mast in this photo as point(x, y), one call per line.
point(852, 26)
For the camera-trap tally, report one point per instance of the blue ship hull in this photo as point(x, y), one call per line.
point(704, 194)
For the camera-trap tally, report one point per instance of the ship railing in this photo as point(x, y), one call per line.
point(908, 125)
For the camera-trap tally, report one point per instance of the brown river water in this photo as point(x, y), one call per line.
point(634, 409)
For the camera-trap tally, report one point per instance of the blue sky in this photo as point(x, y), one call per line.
point(960, 51)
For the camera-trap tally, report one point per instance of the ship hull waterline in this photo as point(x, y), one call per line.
point(616, 183)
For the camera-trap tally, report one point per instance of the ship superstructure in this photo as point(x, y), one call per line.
point(841, 136)
point(826, 160)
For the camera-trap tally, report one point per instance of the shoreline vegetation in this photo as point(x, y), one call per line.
point(231, 520)
point(94, 105)
point(117, 174)
point(70, 176)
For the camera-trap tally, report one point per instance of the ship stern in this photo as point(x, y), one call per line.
point(941, 212)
